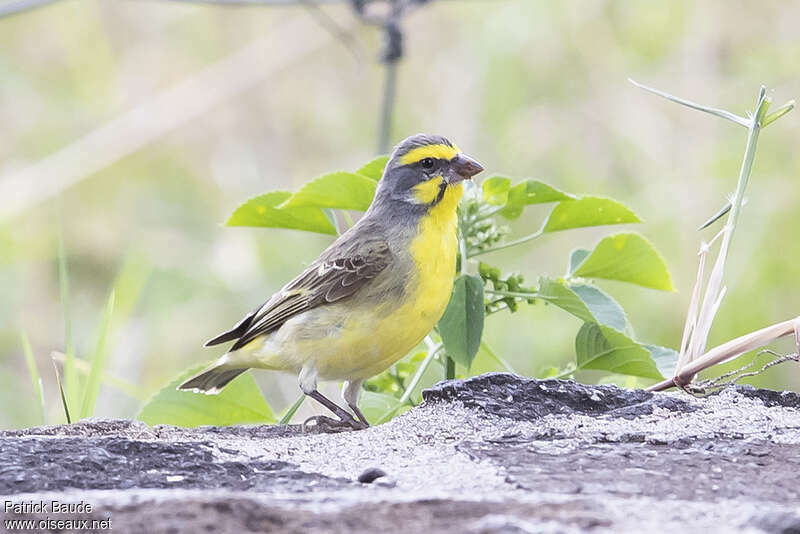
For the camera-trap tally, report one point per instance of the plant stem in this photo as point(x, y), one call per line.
point(292, 410)
point(418, 375)
point(398, 381)
point(515, 294)
point(486, 214)
point(713, 291)
point(514, 243)
point(449, 368)
point(69, 393)
point(568, 371)
point(698, 324)
point(500, 308)
point(729, 350)
point(462, 250)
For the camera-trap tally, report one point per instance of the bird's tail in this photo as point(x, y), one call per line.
point(212, 380)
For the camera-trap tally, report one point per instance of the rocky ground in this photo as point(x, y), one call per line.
point(495, 453)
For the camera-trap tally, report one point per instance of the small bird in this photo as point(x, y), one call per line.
point(371, 296)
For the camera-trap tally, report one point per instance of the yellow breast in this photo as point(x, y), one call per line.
point(434, 253)
point(370, 339)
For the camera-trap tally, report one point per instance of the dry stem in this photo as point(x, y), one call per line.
point(729, 350)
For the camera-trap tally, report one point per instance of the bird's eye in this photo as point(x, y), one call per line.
point(427, 163)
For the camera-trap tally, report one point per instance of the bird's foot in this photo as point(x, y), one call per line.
point(329, 425)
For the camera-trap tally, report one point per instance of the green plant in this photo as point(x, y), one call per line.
point(693, 357)
point(605, 342)
point(82, 379)
point(36, 379)
point(240, 402)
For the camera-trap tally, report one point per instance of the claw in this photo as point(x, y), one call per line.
point(328, 424)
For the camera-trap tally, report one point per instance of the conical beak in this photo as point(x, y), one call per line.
point(465, 167)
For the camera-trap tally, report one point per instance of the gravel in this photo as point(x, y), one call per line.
point(495, 453)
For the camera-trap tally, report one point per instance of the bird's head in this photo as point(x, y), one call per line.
point(422, 170)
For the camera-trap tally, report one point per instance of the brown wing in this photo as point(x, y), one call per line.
point(339, 273)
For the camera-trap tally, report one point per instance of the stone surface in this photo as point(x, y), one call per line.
point(495, 453)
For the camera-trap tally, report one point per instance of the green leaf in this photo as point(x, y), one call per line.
point(576, 257)
point(666, 358)
point(378, 407)
point(586, 302)
point(531, 192)
point(263, 211)
point(461, 326)
point(588, 211)
point(374, 169)
point(628, 258)
point(495, 190)
point(240, 402)
point(603, 348)
point(341, 190)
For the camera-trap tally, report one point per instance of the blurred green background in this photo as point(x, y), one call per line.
point(137, 127)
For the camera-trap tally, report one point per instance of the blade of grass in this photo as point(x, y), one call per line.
point(292, 410)
point(691, 315)
point(98, 361)
point(69, 388)
point(717, 216)
point(778, 113)
point(742, 121)
point(61, 391)
point(36, 379)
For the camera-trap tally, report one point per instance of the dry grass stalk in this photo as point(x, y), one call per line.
point(701, 313)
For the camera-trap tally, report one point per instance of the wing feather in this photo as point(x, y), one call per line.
point(338, 274)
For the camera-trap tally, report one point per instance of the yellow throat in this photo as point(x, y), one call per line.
point(434, 252)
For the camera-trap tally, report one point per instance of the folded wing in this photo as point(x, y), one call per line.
point(338, 274)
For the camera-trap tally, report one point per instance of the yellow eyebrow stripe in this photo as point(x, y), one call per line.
point(429, 151)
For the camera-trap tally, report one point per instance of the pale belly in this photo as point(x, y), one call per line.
point(346, 342)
